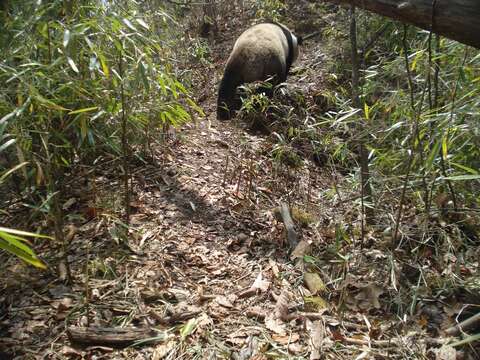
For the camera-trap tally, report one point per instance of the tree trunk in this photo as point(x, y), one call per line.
point(456, 19)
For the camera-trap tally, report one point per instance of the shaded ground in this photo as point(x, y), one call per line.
point(205, 234)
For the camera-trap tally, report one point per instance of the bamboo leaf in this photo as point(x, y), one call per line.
point(83, 127)
point(143, 75)
point(24, 233)
point(103, 63)
point(417, 57)
point(47, 103)
point(66, 38)
point(10, 171)
point(444, 147)
point(188, 328)
point(72, 64)
point(143, 23)
point(467, 340)
point(17, 245)
point(7, 144)
point(18, 242)
point(466, 168)
point(8, 116)
point(462, 177)
point(83, 110)
point(17, 251)
point(97, 115)
point(433, 154)
point(367, 111)
point(40, 176)
point(347, 115)
point(129, 24)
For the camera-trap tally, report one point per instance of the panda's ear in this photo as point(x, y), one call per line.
point(299, 40)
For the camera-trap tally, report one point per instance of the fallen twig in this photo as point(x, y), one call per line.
point(464, 325)
point(371, 343)
point(174, 318)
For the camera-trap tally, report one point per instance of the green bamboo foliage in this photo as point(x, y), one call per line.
point(15, 242)
point(445, 87)
point(60, 104)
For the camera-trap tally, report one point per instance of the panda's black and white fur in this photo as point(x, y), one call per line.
point(262, 51)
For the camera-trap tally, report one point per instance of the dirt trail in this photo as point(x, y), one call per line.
point(211, 234)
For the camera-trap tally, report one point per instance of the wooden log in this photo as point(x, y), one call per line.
point(456, 19)
point(113, 337)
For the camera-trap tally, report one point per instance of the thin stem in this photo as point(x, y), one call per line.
point(452, 111)
point(414, 138)
point(367, 214)
point(125, 149)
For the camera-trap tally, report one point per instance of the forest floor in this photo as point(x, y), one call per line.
point(207, 265)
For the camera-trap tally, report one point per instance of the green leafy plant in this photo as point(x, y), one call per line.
point(12, 240)
point(270, 9)
point(15, 242)
point(84, 80)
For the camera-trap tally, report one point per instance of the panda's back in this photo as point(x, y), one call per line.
point(257, 49)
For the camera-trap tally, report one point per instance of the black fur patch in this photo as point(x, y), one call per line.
point(288, 35)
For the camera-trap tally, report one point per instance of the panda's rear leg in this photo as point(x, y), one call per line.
point(277, 75)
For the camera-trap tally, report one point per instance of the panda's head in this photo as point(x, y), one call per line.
point(293, 41)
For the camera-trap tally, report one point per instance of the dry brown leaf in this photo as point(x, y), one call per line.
point(275, 325)
point(296, 348)
point(260, 283)
point(95, 294)
point(62, 270)
point(68, 204)
point(446, 352)
point(274, 267)
point(337, 336)
point(162, 350)
point(249, 350)
point(350, 280)
point(281, 307)
point(99, 348)
point(64, 304)
point(368, 297)
point(180, 294)
point(422, 321)
point(316, 330)
point(204, 321)
point(286, 339)
point(223, 301)
point(147, 235)
point(232, 298)
point(71, 231)
point(314, 283)
point(302, 249)
point(63, 307)
point(33, 325)
point(70, 352)
point(239, 337)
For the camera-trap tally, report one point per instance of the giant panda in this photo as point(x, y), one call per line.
point(262, 51)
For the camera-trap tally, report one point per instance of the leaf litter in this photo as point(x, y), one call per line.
point(207, 267)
